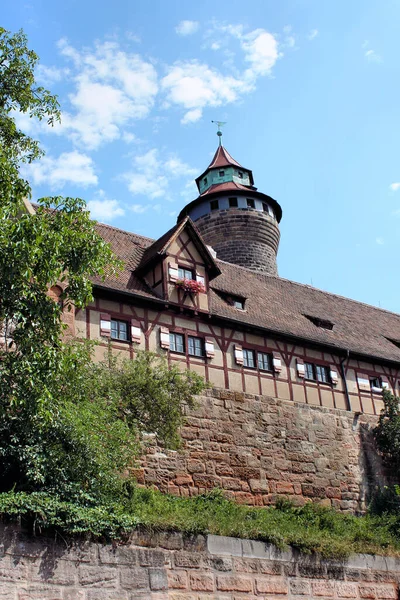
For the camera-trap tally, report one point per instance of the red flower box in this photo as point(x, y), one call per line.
point(190, 286)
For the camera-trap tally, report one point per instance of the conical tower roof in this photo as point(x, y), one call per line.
point(223, 159)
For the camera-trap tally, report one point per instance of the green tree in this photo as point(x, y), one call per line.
point(67, 426)
point(387, 432)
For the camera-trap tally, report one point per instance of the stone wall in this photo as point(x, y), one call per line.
point(245, 237)
point(172, 567)
point(257, 448)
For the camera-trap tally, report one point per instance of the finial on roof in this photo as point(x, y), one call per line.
point(219, 124)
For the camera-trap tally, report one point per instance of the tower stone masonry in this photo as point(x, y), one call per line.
point(240, 223)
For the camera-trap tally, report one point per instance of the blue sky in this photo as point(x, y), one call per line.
point(310, 92)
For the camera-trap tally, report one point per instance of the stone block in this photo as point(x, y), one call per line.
point(158, 579)
point(384, 592)
point(201, 582)
point(323, 588)
point(177, 580)
point(187, 560)
point(98, 576)
point(134, 578)
point(367, 591)
point(346, 590)
point(231, 583)
point(300, 588)
point(272, 585)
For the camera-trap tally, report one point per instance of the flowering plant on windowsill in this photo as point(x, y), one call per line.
point(190, 286)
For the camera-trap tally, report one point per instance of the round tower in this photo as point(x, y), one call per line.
point(239, 222)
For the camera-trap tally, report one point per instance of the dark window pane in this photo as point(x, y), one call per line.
point(214, 205)
point(248, 358)
point(322, 373)
point(119, 330)
point(250, 203)
point(376, 382)
point(195, 346)
point(264, 361)
point(205, 180)
point(309, 371)
point(233, 202)
point(240, 175)
point(221, 173)
point(185, 273)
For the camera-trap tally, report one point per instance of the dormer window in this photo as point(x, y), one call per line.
point(214, 205)
point(323, 323)
point(185, 273)
point(222, 173)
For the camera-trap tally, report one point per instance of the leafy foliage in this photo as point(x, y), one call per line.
point(387, 432)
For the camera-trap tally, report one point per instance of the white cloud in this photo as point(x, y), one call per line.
point(380, 241)
point(50, 75)
point(187, 27)
point(370, 54)
point(104, 209)
point(395, 186)
point(70, 167)
point(194, 85)
point(139, 208)
point(111, 89)
point(313, 34)
point(151, 175)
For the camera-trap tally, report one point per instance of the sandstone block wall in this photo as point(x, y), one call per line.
point(257, 448)
point(172, 567)
point(248, 238)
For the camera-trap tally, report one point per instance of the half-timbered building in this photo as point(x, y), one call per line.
point(208, 296)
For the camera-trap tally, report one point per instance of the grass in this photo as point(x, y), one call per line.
point(310, 529)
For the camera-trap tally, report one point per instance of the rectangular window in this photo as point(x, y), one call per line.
point(264, 361)
point(250, 203)
point(376, 382)
point(309, 371)
point(265, 208)
point(205, 180)
point(214, 205)
point(240, 175)
point(176, 342)
point(248, 358)
point(221, 173)
point(119, 330)
point(316, 372)
point(233, 202)
point(195, 346)
point(185, 273)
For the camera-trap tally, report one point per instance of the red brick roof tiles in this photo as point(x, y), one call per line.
point(273, 304)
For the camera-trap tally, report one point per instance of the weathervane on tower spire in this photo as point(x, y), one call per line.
point(219, 124)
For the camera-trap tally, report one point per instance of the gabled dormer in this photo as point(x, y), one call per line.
point(224, 169)
point(179, 266)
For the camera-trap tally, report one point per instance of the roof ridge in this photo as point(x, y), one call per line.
point(311, 287)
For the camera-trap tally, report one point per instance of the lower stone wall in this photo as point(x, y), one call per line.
point(172, 567)
point(257, 448)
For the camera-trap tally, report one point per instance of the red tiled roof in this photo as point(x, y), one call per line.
point(272, 303)
point(229, 186)
point(222, 158)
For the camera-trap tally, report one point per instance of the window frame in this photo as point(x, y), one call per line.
point(119, 322)
point(315, 369)
point(221, 173)
point(246, 353)
point(269, 361)
point(373, 380)
point(186, 270)
point(251, 203)
point(214, 205)
point(233, 202)
point(201, 346)
point(174, 335)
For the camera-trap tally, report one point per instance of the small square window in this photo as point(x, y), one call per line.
point(214, 205)
point(248, 358)
point(205, 180)
point(264, 361)
point(251, 203)
point(176, 342)
point(240, 175)
point(195, 346)
point(119, 330)
point(238, 303)
point(233, 202)
point(221, 173)
point(376, 382)
point(185, 273)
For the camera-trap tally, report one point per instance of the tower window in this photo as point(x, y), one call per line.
point(265, 208)
point(240, 174)
point(250, 203)
point(205, 180)
point(214, 205)
point(233, 202)
point(221, 173)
